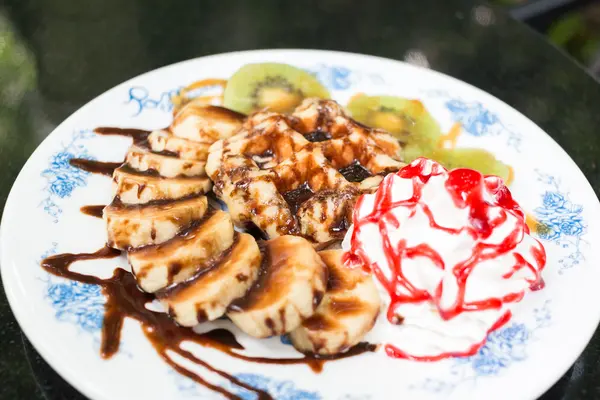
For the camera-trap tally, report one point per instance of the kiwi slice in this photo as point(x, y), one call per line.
point(408, 120)
point(478, 159)
point(277, 87)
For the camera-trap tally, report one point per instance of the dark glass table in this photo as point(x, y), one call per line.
point(57, 55)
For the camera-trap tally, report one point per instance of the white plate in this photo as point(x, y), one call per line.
point(62, 318)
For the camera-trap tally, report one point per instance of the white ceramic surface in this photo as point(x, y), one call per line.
point(63, 319)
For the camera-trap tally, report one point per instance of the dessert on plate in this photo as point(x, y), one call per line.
point(297, 193)
point(287, 214)
point(451, 253)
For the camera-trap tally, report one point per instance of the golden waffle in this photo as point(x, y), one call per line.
point(300, 174)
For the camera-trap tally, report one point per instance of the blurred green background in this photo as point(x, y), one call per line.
point(573, 26)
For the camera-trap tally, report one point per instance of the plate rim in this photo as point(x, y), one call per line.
point(9, 273)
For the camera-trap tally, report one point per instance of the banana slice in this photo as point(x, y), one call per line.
point(347, 312)
point(161, 141)
point(135, 187)
point(131, 226)
point(327, 215)
point(165, 164)
point(215, 284)
point(252, 196)
point(206, 123)
point(370, 185)
point(156, 267)
point(289, 288)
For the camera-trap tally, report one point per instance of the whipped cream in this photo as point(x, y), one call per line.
point(451, 253)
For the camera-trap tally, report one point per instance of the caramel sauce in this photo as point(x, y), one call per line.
point(93, 211)
point(535, 226)
point(449, 140)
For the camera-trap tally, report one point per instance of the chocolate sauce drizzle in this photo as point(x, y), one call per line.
point(139, 136)
point(355, 172)
point(125, 299)
point(296, 197)
point(317, 136)
point(93, 211)
point(95, 167)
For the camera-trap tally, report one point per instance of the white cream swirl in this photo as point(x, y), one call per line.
point(451, 253)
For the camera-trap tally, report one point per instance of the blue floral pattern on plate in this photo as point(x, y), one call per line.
point(281, 390)
point(141, 97)
point(61, 177)
point(476, 119)
point(83, 304)
point(334, 77)
point(79, 303)
point(285, 339)
point(503, 348)
point(278, 389)
point(561, 221)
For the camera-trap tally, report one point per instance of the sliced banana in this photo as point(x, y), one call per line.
point(370, 185)
point(135, 187)
point(360, 146)
point(315, 114)
point(290, 286)
point(267, 143)
point(206, 123)
point(161, 141)
point(131, 226)
point(347, 312)
point(327, 215)
point(156, 267)
point(252, 196)
point(215, 284)
point(167, 165)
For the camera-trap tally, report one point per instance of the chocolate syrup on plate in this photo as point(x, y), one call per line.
point(95, 167)
point(93, 211)
point(139, 136)
point(125, 299)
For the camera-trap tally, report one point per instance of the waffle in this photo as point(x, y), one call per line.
point(300, 174)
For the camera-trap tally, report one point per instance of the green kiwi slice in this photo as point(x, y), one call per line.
point(274, 86)
point(478, 159)
point(411, 123)
point(408, 120)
